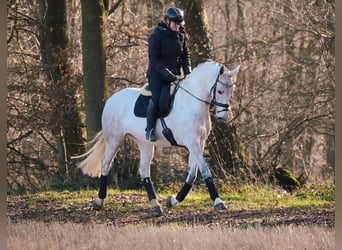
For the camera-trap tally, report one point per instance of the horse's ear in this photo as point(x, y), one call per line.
point(221, 70)
point(234, 71)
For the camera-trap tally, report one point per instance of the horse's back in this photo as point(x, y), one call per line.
point(123, 97)
point(119, 108)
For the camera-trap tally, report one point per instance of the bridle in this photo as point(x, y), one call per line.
point(212, 93)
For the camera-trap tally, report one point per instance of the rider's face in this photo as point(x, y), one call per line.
point(174, 26)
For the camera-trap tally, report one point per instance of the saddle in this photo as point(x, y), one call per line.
point(167, 96)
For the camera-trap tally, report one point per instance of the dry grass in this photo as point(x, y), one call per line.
point(37, 235)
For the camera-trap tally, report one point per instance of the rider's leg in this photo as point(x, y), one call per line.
point(155, 85)
point(151, 117)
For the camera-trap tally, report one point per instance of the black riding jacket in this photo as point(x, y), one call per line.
point(168, 53)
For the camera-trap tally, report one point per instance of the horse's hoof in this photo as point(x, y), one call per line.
point(157, 211)
point(168, 202)
point(97, 204)
point(220, 206)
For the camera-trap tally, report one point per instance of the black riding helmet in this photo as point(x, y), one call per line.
point(176, 15)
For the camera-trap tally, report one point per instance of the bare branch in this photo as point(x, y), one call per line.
point(114, 7)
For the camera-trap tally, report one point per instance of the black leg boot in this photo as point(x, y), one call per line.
point(151, 116)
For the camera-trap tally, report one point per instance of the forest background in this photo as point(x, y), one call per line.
point(60, 73)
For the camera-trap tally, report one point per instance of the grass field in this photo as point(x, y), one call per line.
point(258, 218)
point(38, 235)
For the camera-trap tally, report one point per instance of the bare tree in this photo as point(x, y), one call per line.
point(285, 101)
point(197, 26)
point(41, 95)
point(63, 84)
point(94, 20)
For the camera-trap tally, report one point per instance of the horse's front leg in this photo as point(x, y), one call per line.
point(190, 179)
point(196, 159)
point(183, 192)
point(146, 155)
point(206, 175)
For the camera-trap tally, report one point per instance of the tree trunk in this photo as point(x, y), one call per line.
point(197, 27)
point(94, 18)
point(65, 121)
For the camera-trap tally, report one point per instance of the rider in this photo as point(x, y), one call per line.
point(168, 53)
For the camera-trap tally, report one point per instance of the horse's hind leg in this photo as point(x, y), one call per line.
point(146, 155)
point(110, 152)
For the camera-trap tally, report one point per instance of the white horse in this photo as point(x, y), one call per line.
point(209, 84)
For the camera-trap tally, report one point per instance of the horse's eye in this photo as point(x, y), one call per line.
point(220, 92)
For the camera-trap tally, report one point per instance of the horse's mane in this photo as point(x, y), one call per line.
point(201, 65)
point(200, 68)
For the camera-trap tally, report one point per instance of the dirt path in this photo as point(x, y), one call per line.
point(19, 208)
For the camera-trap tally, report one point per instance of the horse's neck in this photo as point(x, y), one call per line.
point(195, 97)
point(197, 88)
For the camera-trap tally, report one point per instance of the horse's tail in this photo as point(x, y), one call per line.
point(91, 165)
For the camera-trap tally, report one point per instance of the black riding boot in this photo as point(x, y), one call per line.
point(151, 116)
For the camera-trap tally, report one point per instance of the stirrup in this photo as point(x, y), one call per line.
point(150, 136)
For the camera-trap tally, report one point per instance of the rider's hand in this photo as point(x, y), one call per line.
point(173, 78)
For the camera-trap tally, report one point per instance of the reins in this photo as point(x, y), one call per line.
point(187, 91)
point(212, 92)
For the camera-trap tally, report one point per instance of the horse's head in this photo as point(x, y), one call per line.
point(222, 91)
point(217, 86)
